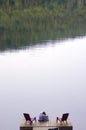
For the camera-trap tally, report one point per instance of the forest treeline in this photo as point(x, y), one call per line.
point(29, 3)
point(27, 22)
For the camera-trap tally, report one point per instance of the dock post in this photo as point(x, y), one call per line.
point(65, 128)
point(26, 128)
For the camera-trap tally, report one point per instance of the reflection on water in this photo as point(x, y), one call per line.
point(49, 78)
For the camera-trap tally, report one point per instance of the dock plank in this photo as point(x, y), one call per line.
point(46, 125)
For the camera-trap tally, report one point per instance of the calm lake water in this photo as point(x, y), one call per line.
point(49, 78)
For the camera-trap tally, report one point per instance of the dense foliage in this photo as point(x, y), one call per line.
point(26, 22)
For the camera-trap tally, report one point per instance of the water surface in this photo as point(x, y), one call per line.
point(51, 78)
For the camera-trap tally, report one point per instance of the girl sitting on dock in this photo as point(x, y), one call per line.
point(43, 117)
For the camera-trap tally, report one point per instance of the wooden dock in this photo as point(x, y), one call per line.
point(51, 124)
